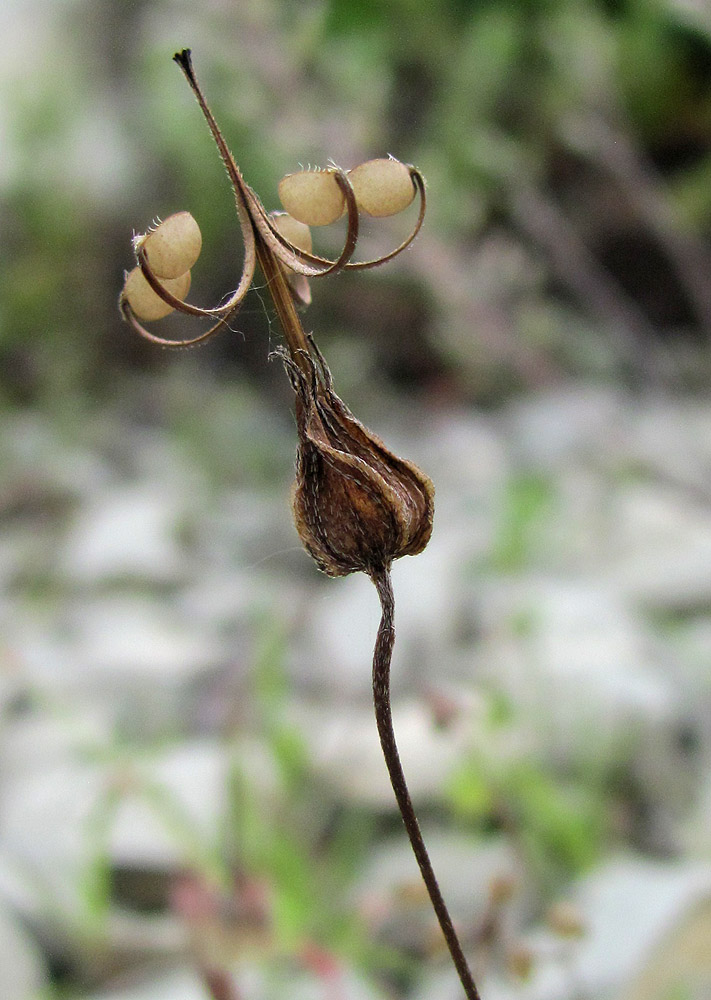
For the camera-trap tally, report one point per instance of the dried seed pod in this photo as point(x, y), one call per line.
point(173, 246)
point(382, 187)
point(312, 197)
point(298, 234)
point(357, 506)
point(144, 302)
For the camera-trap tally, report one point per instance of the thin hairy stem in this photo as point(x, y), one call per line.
point(283, 300)
point(383, 716)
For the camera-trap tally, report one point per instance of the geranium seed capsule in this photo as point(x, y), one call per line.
point(173, 246)
point(292, 230)
point(382, 187)
point(312, 197)
point(144, 302)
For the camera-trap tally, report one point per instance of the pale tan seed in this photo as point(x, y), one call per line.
point(382, 187)
point(292, 230)
point(144, 302)
point(173, 246)
point(312, 197)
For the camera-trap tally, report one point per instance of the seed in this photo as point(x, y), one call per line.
point(292, 230)
point(382, 187)
point(312, 197)
point(173, 246)
point(143, 300)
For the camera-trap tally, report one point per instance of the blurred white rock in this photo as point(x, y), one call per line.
point(157, 814)
point(39, 653)
point(44, 836)
point(577, 665)
point(23, 972)
point(188, 781)
point(428, 604)
point(648, 930)
point(336, 649)
point(570, 533)
point(47, 465)
point(550, 429)
point(647, 936)
point(142, 655)
point(672, 439)
point(345, 752)
point(697, 828)
point(246, 529)
point(179, 800)
point(391, 895)
point(41, 738)
point(691, 640)
point(181, 982)
point(465, 452)
point(126, 532)
point(572, 655)
point(660, 547)
point(139, 636)
point(343, 618)
point(158, 461)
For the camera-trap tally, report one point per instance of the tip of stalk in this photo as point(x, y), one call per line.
point(183, 58)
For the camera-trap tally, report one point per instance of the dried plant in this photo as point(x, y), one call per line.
point(357, 506)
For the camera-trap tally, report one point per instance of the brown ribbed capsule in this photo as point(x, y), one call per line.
point(357, 506)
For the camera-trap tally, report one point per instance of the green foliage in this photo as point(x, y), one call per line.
point(526, 506)
point(558, 823)
point(274, 836)
point(95, 882)
point(308, 873)
point(561, 824)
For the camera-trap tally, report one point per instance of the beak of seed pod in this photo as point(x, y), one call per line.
point(357, 506)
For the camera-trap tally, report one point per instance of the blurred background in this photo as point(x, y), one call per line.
point(192, 800)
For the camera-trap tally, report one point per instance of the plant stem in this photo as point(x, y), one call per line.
point(283, 300)
point(382, 657)
point(271, 268)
